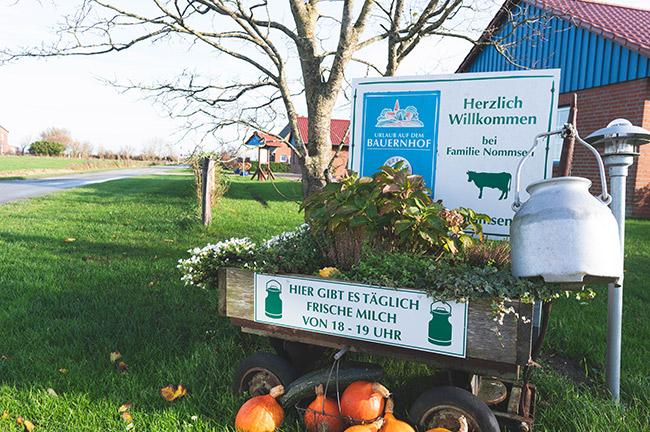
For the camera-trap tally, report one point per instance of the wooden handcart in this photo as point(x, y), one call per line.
point(489, 386)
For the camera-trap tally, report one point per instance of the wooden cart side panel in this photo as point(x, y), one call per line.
point(485, 339)
point(222, 285)
point(483, 367)
point(240, 293)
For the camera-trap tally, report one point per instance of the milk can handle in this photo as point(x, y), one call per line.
point(279, 287)
point(567, 129)
point(442, 303)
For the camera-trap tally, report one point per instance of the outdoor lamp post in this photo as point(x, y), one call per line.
point(621, 141)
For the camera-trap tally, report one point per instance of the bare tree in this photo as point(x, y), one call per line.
point(326, 37)
point(60, 135)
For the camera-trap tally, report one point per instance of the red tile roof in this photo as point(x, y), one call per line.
point(338, 130)
point(270, 140)
point(625, 25)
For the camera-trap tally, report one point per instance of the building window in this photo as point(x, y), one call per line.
point(284, 158)
point(556, 143)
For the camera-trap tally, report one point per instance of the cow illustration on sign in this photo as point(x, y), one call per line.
point(490, 180)
point(399, 117)
point(273, 302)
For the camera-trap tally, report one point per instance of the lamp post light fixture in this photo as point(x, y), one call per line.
point(621, 141)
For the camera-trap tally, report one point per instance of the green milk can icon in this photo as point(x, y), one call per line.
point(440, 329)
point(273, 302)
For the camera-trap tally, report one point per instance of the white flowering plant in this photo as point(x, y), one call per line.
point(200, 269)
point(294, 251)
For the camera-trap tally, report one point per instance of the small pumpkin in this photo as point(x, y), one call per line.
point(364, 400)
point(322, 414)
point(369, 427)
point(463, 426)
point(261, 413)
point(391, 424)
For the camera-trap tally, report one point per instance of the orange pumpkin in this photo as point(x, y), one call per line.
point(463, 426)
point(261, 413)
point(391, 424)
point(363, 400)
point(323, 415)
point(370, 427)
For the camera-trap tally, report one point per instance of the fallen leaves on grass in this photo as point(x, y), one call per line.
point(171, 392)
point(29, 426)
point(52, 393)
point(70, 240)
point(63, 371)
point(116, 359)
point(126, 416)
point(121, 366)
point(124, 407)
point(5, 415)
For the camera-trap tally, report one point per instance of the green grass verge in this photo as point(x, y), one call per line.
point(67, 305)
point(16, 167)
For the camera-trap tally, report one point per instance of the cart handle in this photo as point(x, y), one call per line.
point(340, 353)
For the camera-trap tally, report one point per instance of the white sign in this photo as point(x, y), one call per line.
point(397, 317)
point(464, 133)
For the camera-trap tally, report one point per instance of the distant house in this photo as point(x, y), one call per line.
point(279, 151)
point(603, 51)
point(4, 141)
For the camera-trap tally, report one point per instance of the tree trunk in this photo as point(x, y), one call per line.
point(319, 145)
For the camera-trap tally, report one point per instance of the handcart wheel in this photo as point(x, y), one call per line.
point(443, 406)
point(260, 372)
point(303, 356)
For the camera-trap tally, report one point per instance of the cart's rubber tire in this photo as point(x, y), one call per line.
point(304, 357)
point(260, 372)
point(438, 406)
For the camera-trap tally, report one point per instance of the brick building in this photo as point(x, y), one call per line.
point(279, 151)
point(603, 51)
point(4, 141)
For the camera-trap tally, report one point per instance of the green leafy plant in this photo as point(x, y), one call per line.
point(454, 278)
point(46, 148)
point(392, 210)
point(297, 252)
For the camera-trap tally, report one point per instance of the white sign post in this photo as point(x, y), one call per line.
point(463, 133)
point(396, 317)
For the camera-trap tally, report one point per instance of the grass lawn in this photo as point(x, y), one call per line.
point(67, 304)
point(29, 166)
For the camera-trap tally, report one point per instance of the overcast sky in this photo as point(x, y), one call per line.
point(70, 92)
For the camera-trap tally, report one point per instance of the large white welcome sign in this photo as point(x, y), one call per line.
point(464, 133)
point(397, 317)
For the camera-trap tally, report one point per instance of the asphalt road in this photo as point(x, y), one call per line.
point(11, 190)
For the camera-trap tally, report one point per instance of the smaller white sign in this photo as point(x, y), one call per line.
point(392, 316)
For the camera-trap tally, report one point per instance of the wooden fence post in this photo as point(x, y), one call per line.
point(207, 185)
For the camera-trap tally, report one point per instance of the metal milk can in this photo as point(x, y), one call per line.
point(273, 302)
point(562, 233)
point(439, 327)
